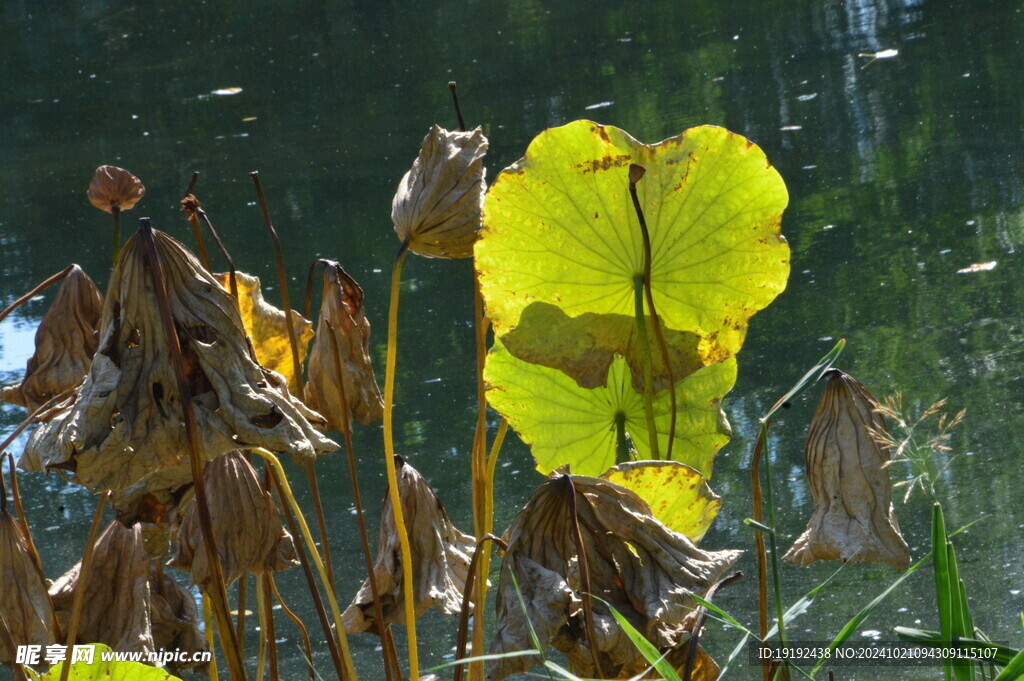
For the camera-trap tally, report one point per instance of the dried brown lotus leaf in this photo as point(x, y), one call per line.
point(124, 432)
point(246, 525)
point(343, 317)
point(175, 619)
point(266, 325)
point(64, 345)
point(116, 602)
point(438, 205)
point(23, 599)
point(853, 517)
point(642, 568)
point(440, 558)
point(114, 187)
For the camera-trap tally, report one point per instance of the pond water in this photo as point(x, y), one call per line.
point(902, 172)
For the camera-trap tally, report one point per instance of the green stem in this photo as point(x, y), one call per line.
point(621, 444)
point(776, 582)
point(645, 348)
point(389, 463)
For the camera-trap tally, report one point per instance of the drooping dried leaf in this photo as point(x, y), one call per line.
point(116, 605)
point(343, 317)
point(438, 203)
point(175, 620)
point(23, 600)
point(65, 343)
point(124, 432)
point(440, 558)
point(853, 517)
point(639, 566)
point(114, 187)
point(246, 525)
point(266, 326)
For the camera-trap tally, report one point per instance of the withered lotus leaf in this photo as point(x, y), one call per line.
point(440, 558)
point(438, 205)
point(853, 517)
point(23, 599)
point(246, 525)
point(65, 343)
point(124, 431)
point(266, 326)
point(343, 317)
point(643, 569)
point(175, 618)
point(112, 187)
point(116, 602)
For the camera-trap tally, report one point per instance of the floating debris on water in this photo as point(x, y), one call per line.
point(226, 91)
point(791, 128)
point(872, 57)
point(978, 267)
point(806, 98)
point(599, 105)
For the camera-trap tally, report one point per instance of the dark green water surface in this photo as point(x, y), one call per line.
point(901, 172)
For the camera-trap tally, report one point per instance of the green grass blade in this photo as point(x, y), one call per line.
point(729, 619)
point(1003, 654)
point(482, 658)
point(943, 593)
point(1014, 671)
point(808, 379)
point(646, 648)
point(959, 614)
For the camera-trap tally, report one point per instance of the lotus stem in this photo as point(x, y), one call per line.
point(232, 283)
point(243, 584)
point(295, 385)
point(208, 621)
point(116, 249)
point(229, 643)
point(12, 649)
point(691, 651)
point(83, 576)
point(588, 603)
point(388, 651)
point(193, 221)
point(265, 633)
point(452, 85)
point(389, 463)
point(278, 476)
point(634, 177)
point(35, 291)
point(303, 633)
point(481, 484)
point(267, 623)
point(460, 646)
point(314, 591)
point(645, 347)
point(772, 539)
point(762, 557)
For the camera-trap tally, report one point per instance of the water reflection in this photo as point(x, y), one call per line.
point(901, 173)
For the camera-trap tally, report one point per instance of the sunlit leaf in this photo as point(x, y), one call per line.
point(266, 326)
point(566, 424)
point(560, 228)
point(678, 495)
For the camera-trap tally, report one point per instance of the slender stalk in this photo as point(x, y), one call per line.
point(691, 651)
point(35, 291)
point(636, 172)
point(193, 221)
point(243, 585)
point(83, 576)
point(492, 463)
point(303, 633)
point(261, 654)
point(267, 624)
point(232, 283)
point(455, 102)
point(387, 641)
point(588, 603)
point(232, 654)
point(645, 347)
point(481, 484)
point(772, 540)
point(460, 646)
point(762, 558)
point(116, 249)
point(12, 649)
point(284, 489)
point(389, 463)
point(295, 385)
point(314, 590)
point(210, 643)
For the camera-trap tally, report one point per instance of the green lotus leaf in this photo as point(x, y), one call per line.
point(560, 228)
point(566, 424)
point(678, 495)
point(98, 670)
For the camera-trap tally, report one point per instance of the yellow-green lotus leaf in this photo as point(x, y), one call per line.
point(266, 326)
point(100, 670)
point(566, 424)
point(678, 495)
point(560, 228)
